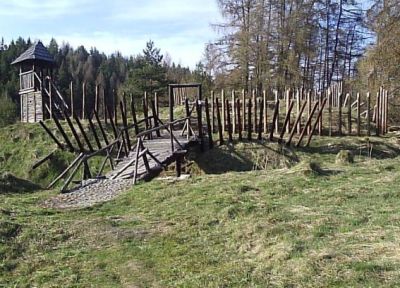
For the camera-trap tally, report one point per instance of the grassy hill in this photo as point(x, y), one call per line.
point(311, 221)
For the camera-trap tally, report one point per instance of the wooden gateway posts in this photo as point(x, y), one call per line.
point(139, 147)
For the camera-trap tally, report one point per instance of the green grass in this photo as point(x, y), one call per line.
point(337, 226)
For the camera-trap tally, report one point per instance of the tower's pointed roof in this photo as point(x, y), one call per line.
point(36, 52)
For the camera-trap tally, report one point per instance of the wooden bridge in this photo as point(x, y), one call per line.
point(139, 150)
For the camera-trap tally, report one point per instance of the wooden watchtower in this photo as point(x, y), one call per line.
point(38, 94)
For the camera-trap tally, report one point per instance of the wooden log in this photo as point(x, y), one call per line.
point(260, 120)
point(115, 103)
point(233, 112)
point(199, 125)
point(125, 124)
point(249, 119)
point(358, 115)
point(298, 99)
point(255, 110)
point(320, 123)
point(244, 109)
point(330, 98)
point(213, 112)
point(96, 98)
point(274, 119)
point(265, 109)
point(220, 133)
point(223, 119)
point(315, 124)
point(72, 97)
point(112, 123)
point(209, 129)
point(387, 112)
point(155, 117)
point(308, 123)
point(287, 119)
point(228, 114)
point(103, 133)
point(73, 163)
point(85, 137)
point(349, 114)
point(378, 116)
point(83, 99)
point(239, 119)
point(104, 106)
point(64, 135)
point(308, 110)
point(157, 104)
point(189, 131)
point(134, 117)
point(339, 105)
point(288, 101)
point(303, 107)
point(368, 114)
point(51, 135)
point(138, 146)
point(43, 160)
point(93, 129)
point(146, 115)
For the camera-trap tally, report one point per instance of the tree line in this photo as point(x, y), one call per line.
point(149, 71)
point(279, 44)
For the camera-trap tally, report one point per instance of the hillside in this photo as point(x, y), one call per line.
point(309, 222)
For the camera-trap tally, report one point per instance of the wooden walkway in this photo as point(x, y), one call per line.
point(160, 148)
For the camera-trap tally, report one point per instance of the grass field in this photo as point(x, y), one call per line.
point(307, 223)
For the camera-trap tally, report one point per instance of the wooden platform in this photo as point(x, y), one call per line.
point(160, 147)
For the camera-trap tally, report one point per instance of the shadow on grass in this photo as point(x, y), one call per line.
point(380, 150)
point(244, 156)
point(11, 184)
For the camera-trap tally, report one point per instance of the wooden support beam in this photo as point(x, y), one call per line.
point(233, 112)
point(66, 139)
point(220, 133)
point(125, 124)
point(93, 129)
point(240, 128)
point(212, 112)
point(199, 125)
point(155, 117)
point(315, 124)
point(287, 119)
point(358, 115)
point(349, 130)
point(249, 126)
point(134, 117)
point(340, 114)
point(112, 123)
point(43, 160)
point(209, 129)
point(378, 112)
point(303, 107)
point(72, 128)
point(308, 123)
point(368, 114)
point(274, 119)
point(103, 133)
point(228, 114)
point(89, 145)
point(75, 161)
point(265, 109)
point(51, 135)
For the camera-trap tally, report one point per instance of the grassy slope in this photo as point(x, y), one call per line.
point(284, 227)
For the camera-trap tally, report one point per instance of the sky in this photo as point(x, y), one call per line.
point(179, 27)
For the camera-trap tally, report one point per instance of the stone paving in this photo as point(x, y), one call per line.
point(92, 192)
